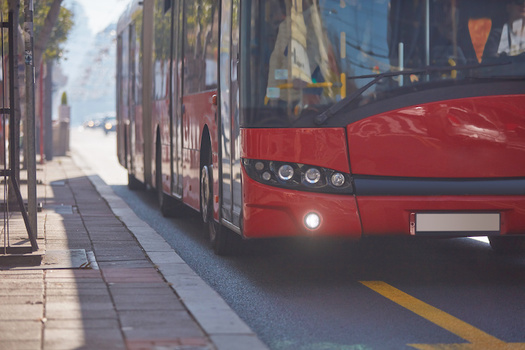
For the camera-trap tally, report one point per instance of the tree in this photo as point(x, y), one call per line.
point(63, 100)
point(52, 24)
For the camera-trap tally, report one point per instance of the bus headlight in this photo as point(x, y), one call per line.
point(297, 176)
point(285, 172)
point(312, 175)
point(266, 176)
point(337, 179)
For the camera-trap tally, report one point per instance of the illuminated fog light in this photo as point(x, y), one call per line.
point(338, 179)
point(312, 221)
point(285, 172)
point(259, 166)
point(312, 175)
point(266, 176)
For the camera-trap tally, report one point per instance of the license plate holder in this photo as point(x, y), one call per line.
point(455, 224)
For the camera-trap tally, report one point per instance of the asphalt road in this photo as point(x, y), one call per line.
point(378, 294)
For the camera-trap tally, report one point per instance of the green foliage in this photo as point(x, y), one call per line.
point(63, 100)
point(60, 32)
point(54, 50)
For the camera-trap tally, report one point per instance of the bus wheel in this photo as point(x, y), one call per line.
point(222, 240)
point(508, 245)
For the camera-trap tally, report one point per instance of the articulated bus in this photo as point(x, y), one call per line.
point(328, 118)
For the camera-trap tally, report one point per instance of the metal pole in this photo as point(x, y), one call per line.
point(30, 131)
point(41, 111)
point(48, 111)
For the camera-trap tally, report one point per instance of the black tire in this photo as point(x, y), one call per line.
point(508, 244)
point(223, 241)
point(134, 184)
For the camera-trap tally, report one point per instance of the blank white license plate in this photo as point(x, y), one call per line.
point(475, 223)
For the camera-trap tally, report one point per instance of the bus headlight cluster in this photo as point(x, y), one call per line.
point(298, 176)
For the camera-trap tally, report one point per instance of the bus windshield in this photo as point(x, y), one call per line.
point(300, 57)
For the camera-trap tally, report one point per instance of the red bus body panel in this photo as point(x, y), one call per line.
point(480, 137)
point(464, 138)
point(457, 139)
point(382, 215)
point(275, 212)
point(321, 147)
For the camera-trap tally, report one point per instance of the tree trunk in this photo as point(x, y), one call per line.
point(41, 42)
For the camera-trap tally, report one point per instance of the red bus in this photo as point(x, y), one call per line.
point(280, 118)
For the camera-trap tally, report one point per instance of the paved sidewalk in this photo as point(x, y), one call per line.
point(107, 279)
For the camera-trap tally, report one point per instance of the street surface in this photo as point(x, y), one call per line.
point(379, 294)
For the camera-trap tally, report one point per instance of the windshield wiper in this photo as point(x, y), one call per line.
point(334, 109)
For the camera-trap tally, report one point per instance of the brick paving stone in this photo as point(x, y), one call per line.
point(146, 302)
point(89, 298)
point(96, 339)
point(102, 237)
point(82, 311)
point(182, 344)
point(131, 275)
point(21, 286)
point(21, 312)
point(119, 287)
point(73, 291)
point(125, 263)
point(72, 273)
point(21, 344)
point(117, 246)
point(141, 290)
point(31, 299)
point(96, 323)
point(138, 324)
point(109, 254)
point(11, 329)
point(97, 284)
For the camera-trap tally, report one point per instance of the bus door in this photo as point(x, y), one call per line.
point(229, 109)
point(176, 98)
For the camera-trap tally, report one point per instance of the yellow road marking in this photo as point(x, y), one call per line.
point(476, 337)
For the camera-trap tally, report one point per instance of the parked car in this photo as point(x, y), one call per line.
point(109, 124)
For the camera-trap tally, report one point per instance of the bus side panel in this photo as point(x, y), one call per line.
point(198, 113)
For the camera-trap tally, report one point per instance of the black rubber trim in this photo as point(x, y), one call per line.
point(393, 186)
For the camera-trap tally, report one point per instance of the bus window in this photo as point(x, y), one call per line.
point(200, 46)
point(300, 57)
